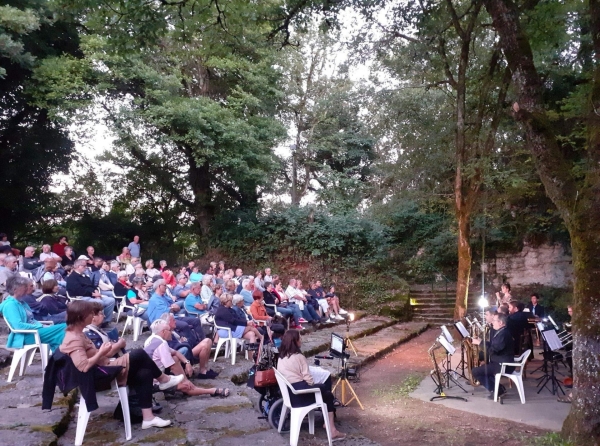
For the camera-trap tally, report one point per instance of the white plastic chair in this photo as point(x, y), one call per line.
point(516, 376)
point(297, 414)
point(122, 305)
point(71, 299)
point(231, 344)
point(83, 416)
point(137, 324)
point(24, 356)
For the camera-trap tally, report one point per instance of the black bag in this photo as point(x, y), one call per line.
point(135, 411)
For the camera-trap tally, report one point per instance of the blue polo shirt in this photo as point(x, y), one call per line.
point(157, 306)
point(192, 300)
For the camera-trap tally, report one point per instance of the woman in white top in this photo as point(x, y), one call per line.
point(293, 366)
point(48, 254)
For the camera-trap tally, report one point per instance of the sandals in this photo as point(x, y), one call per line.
point(221, 393)
point(337, 403)
point(338, 437)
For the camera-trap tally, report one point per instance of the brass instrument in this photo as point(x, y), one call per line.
point(436, 373)
point(472, 359)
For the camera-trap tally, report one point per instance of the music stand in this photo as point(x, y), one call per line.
point(462, 331)
point(450, 350)
point(440, 387)
point(551, 343)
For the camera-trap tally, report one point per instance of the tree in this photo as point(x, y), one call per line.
point(453, 53)
point(33, 148)
point(570, 171)
point(332, 148)
point(189, 92)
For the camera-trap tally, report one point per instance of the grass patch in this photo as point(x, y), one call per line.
point(227, 409)
point(550, 439)
point(166, 435)
point(401, 390)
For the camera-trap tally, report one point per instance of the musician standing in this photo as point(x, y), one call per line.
point(500, 349)
point(504, 296)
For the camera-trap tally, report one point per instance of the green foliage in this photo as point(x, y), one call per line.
point(303, 233)
point(14, 23)
point(550, 439)
point(399, 391)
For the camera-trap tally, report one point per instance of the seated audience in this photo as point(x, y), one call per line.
point(69, 258)
point(30, 262)
point(240, 327)
point(80, 285)
point(138, 371)
point(207, 287)
point(151, 272)
point(138, 295)
point(160, 303)
point(122, 285)
point(173, 362)
point(259, 281)
point(257, 309)
point(130, 267)
point(182, 289)
point(168, 277)
point(296, 297)
point(125, 257)
point(246, 292)
point(20, 317)
point(48, 254)
point(294, 367)
point(98, 336)
point(8, 266)
point(199, 352)
point(193, 302)
point(196, 275)
point(52, 303)
point(89, 257)
point(333, 300)
point(239, 307)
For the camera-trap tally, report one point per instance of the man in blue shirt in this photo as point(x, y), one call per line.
point(193, 302)
point(246, 292)
point(134, 247)
point(181, 290)
point(160, 303)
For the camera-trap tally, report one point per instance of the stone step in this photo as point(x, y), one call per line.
point(313, 343)
point(374, 346)
point(435, 321)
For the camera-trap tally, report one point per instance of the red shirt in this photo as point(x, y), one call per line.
point(58, 249)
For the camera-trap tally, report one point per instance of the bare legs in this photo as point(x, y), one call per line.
point(202, 352)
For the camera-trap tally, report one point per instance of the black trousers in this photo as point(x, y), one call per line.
point(486, 374)
point(309, 398)
point(142, 372)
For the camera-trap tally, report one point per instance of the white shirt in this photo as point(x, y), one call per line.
point(291, 293)
point(50, 255)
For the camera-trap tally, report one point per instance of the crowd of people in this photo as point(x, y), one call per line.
point(71, 301)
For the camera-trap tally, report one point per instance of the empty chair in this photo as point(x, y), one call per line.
point(297, 414)
point(516, 376)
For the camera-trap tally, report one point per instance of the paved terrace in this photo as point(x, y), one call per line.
point(196, 420)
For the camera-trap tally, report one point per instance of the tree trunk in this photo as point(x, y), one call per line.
point(578, 203)
point(464, 264)
point(203, 207)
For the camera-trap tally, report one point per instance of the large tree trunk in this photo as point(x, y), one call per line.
point(464, 264)
point(578, 203)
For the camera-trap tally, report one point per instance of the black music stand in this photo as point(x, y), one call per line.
point(551, 343)
point(439, 383)
point(462, 331)
point(448, 374)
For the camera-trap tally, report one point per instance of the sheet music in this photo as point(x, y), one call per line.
point(540, 326)
point(469, 321)
point(447, 334)
point(553, 323)
point(319, 374)
point(461, 329)
point(449, 347)
point(552, 339)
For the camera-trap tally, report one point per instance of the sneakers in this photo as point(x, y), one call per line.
point(172, 382)
point(156, 422)
point(338, 317)
point(329, 321)
point(342, 311)
point(298, 327)
point(302, 320)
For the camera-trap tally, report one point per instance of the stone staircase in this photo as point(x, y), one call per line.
point(435, 304)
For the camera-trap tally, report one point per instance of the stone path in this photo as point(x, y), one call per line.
point(197, 420)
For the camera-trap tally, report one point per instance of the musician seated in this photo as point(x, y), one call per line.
point(488, 331)
point(501, 349)
point(518, 323)
point(534, 308)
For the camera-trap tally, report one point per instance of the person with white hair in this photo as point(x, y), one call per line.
point(8, 265)
point(246, 291)
point(30, 262)
point(151, 271)
point(206, 292)
point(80, 285)
point(170, 361)
point(227, 317)
point(48, 254)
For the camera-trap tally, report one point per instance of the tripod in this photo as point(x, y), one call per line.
point(347, 339)
point(343, 380)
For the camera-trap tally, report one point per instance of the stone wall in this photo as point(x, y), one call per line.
point(548, 265)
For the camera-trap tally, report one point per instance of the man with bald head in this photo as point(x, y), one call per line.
point(30, 262)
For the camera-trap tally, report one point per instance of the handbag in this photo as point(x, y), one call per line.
point(264, 378)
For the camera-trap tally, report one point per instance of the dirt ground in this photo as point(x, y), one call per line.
point(392, 418)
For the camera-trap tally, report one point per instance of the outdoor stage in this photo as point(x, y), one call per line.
point(540, 410)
